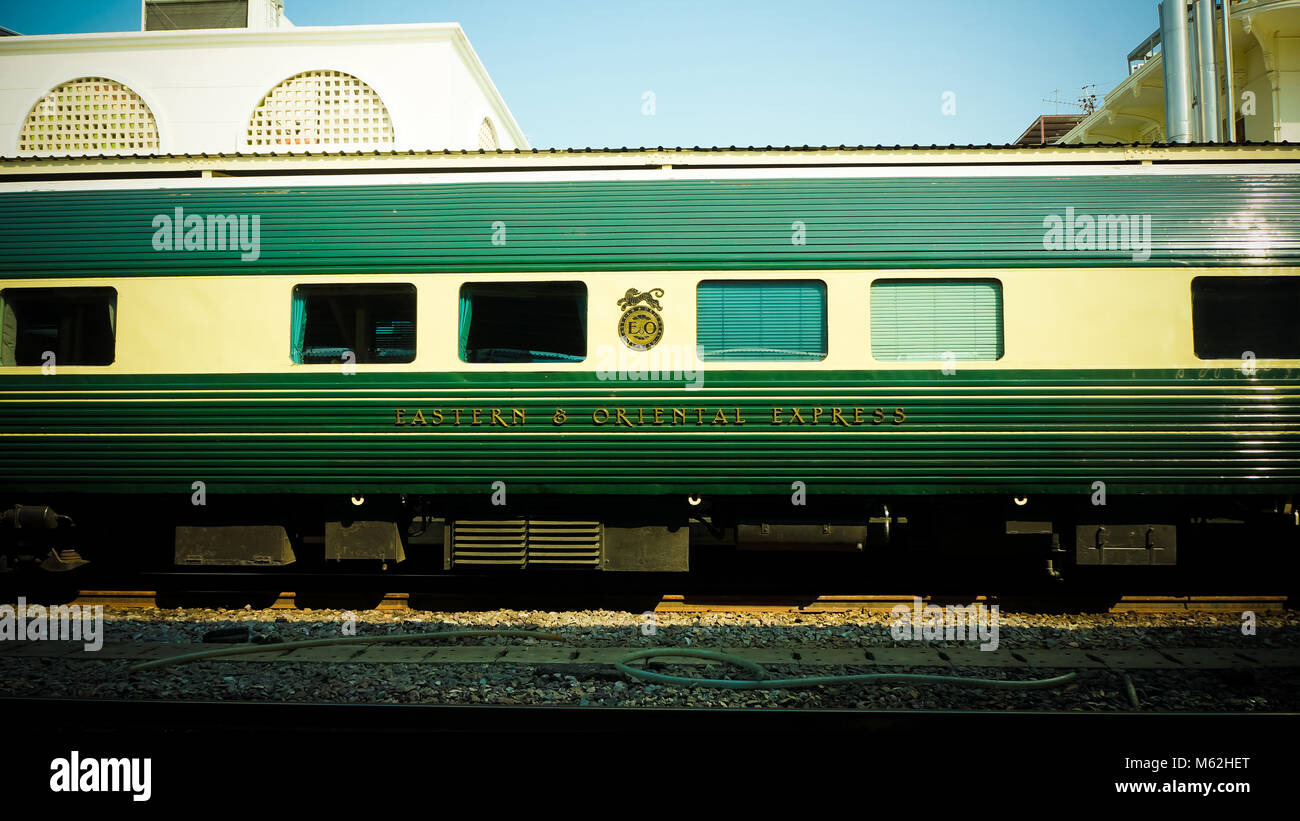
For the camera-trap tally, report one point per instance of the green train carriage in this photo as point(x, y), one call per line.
point(604, 359)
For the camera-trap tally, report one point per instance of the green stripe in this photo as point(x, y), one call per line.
point(931, 222)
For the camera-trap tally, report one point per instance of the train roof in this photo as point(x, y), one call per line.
point(388, 162)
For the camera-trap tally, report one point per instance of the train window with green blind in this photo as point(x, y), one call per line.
point(374, 323)
point(1234, 316)
point(58, 326)
point(523, 322)
point(926, 320)
point(761, 320)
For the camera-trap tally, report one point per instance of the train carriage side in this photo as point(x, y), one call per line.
point(604, 372)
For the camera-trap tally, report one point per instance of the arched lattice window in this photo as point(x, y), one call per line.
point(487, 136)
point(320, 109)
point(90, 114)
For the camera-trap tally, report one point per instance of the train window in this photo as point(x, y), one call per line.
point(761, 320)
point(1235, 315)
point(58, 326)
point(926, 320)
point(375, 323)
point(523, 322)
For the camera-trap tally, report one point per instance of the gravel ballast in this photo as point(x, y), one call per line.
point(1232, 690)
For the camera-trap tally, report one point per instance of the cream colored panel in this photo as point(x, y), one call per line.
point(1097, 318)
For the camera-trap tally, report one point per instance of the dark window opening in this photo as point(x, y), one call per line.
point(77, 325)
point(1235, 315)
point(523, 322)
point(375, 322)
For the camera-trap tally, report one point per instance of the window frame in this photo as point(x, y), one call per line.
point(980, 280)
point(298, 357)
point(1240, 354)
point(825, 319)
point(462, 332)
point(6, 300)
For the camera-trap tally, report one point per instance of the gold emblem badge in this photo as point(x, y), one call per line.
point(640, 327)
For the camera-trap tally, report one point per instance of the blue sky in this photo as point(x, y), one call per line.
point(760, 72)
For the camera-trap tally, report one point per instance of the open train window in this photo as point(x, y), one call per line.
point(761, 320)
point(374, 322)
point(927, 320)
point(58, 326)
point(523, 322)
point(1233, 315)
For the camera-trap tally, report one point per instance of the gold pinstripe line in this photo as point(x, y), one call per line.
point(623, 387)
point(671, 399)
point(880, 430)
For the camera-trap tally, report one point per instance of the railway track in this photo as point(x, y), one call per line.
point(559, 656)
point(122, 599)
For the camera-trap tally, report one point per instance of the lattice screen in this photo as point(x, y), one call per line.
point(320, 109)
point(90, 114)
point(487, 136)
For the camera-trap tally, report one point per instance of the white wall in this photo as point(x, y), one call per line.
point(202, 86)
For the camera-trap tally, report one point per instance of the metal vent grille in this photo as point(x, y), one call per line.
point(567, 543)
point(519, 543)
point(198, 14)
point(503, 544)
point(89, 114)
point(320, 109)
point(487, 135)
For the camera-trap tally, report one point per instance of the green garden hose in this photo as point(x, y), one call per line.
point(760, 680)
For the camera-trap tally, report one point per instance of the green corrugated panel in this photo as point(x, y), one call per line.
point(660, 225)
point(761, 320)
point(925, 321)
point(1215, 431)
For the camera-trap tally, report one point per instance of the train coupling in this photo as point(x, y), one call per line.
point(35, 517)
point(32, 522)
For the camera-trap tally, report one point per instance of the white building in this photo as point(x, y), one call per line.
point(249, 81)
point(1262, 90)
